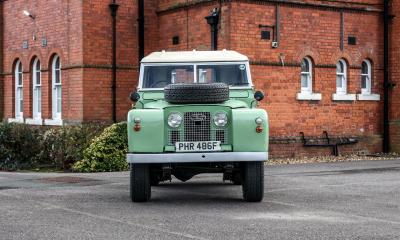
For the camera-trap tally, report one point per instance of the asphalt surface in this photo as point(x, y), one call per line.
point(353, 200)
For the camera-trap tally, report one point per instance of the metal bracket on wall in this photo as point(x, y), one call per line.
point(327, 142)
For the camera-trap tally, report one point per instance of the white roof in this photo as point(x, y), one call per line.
point(194, 56)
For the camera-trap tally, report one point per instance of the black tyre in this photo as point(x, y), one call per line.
point(140, 183)
point(253, 181)
point(196, 93)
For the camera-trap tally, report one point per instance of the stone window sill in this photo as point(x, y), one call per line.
point(53, 122)
point(16, 120)
point(302, 96)
point(34, 121)
point(344, 97)
point(368, 97)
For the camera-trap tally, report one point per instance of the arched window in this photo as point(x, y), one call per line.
point(19, 87)
point(56, 88)
point(37, 89)
point(306, 75)
point(341, 77)
point(366, 77)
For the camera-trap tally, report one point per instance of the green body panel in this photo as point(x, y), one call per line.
point(245, 137)
point(153, 112)
point(150, 138)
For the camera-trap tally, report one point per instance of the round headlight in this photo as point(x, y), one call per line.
point(174, 120)
point(220, 119)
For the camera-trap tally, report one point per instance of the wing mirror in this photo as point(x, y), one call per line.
point(258, 95)
point(134, 96)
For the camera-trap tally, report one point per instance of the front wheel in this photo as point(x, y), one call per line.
point(140, 188)
point(253, 181)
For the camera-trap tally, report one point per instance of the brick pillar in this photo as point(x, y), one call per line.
point(395, 78)
point(1, 63)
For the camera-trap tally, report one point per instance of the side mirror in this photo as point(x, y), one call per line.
point(134, 96)
point(259, 95)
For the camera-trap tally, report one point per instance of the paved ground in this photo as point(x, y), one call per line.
point(354, 200)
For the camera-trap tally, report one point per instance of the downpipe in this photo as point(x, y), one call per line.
point(114, 9)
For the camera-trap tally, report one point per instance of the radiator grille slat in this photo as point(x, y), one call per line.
point(196, 128)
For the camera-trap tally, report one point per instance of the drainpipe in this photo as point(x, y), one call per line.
point(141, 29)
point(114, 8)
point(213, 20)
point(386, 84)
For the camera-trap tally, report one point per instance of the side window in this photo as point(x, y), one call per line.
point(306, 75)
point(341, 77)
point(19, 87)
point(366, 77)
point(37, 89)
point(56, 88)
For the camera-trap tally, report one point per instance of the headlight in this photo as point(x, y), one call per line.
point(174, 120)
point(220, 119)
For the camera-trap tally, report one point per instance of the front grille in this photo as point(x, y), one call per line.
point(196, 128)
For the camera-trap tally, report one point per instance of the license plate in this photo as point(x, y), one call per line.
point(208, 146)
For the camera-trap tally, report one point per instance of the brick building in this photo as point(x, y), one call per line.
point(321, 63)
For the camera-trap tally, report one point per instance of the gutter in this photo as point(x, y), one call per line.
point(114, 9)
point(141, 29)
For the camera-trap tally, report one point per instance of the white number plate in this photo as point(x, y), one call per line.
point(208, 146)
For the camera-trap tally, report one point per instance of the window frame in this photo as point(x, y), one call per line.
point(55, 96)
point(19, 90)
point(341, 90)
point(368, 89)
point(37, 89)
point(309, 88)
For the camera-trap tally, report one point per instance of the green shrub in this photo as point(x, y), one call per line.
point(106, 151)
point(62, 147)
point(19, 148)
point(26, 147)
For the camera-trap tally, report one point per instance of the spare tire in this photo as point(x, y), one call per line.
point(196, 93)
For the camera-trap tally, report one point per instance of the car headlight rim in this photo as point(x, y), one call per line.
point(221, 119)
point(174, 120)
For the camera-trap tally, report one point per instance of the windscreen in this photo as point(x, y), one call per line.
point(162, 75)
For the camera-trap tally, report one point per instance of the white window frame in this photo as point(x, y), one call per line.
point(341, 90)
point(37, 89)
point(19, 90)
point(306, 93)
point(309, 88)
point(367, 90)
point(55, 114)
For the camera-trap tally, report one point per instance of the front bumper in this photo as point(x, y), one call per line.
point(196, 157)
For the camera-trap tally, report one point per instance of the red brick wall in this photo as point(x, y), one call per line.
point(395, 78)
point(1, 63)
point(61, 24)
point(97, 45)
point(305, 31)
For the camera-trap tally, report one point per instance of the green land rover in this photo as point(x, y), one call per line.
point(196, 112)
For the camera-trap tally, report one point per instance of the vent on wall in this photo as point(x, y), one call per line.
point(352, 40)
point(266, 35)
point(175, 40)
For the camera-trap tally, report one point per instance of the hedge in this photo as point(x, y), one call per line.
point(27, 147)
